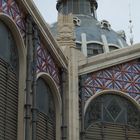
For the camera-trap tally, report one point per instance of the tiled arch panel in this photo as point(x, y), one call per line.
point(45, 63)
point(10, 8)
point(123, 77)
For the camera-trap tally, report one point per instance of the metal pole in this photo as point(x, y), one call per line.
point(34, 108)
point(64, 127)
point(28, 80)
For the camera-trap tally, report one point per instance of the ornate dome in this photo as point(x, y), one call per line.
point(99, 34)
point(92, 37)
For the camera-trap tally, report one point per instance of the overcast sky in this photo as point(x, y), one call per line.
point(115, 11)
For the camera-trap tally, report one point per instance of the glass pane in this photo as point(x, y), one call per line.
point(76, 6)
point(8, 49)
point(94, 49)
point(93, 112)
point(45, 101)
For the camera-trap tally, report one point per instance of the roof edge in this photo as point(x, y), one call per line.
point(107, 60)
point(46, 33)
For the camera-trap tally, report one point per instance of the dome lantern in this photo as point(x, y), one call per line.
point(82, 7)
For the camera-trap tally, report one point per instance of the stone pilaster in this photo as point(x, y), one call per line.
point(67, 42)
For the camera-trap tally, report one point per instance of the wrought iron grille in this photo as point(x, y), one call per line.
point(113, 109)
point(112, 117)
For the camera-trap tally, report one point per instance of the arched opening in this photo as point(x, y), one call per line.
point(110, 116)
point(9, 77)
point(49, 109)
point(46, 111)
point(16, 63)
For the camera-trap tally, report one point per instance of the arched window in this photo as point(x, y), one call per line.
point(8, 84)
point(46, 111)
point(8, 49)
point(112, 48)
point(94, 49)
point(112, 116)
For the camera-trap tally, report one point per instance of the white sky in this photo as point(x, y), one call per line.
point(115, 11)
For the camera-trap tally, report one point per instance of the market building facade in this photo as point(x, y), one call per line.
point(78, 80)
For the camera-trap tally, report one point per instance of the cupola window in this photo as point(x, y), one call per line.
point(112, 48)
point(94, 49)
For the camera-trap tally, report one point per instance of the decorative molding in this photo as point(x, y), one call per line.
point(105, 46)
point(104, 24)
point(84, 44)
point(76, 21)
point(65, 30)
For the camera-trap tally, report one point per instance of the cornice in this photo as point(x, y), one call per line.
point(106, 60)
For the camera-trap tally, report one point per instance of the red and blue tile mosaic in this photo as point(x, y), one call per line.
point(45, 63)
point(10, 8)
point(124, 77)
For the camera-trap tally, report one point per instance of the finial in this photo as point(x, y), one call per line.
point(131, 25)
